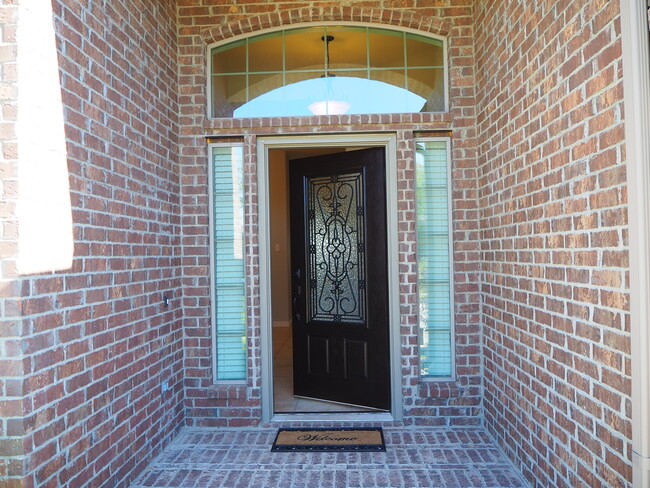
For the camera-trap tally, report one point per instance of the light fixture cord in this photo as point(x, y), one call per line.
point(327, 40)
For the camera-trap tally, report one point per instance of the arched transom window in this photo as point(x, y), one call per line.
point(328, 70)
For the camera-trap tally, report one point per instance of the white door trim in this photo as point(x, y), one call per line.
point(636, 83)
point(264, 144)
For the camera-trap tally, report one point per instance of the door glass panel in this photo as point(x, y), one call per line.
point(336, 230)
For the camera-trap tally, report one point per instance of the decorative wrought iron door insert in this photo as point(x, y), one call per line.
point(336, 223)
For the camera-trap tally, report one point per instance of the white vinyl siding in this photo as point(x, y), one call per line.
point(229, 294)
point(434, 259)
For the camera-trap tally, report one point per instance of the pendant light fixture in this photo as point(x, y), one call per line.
point(329, 106)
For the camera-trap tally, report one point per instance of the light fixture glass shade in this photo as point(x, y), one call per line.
point(329, 107)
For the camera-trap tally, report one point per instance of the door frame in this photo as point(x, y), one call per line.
point(264, 145)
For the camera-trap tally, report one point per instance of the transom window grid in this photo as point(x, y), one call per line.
point(246, 69)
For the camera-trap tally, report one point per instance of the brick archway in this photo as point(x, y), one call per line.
point(402, 18)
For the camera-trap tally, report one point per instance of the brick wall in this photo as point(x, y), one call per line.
point(554, 239)
point(85, 349)
point(94, 340)
point(202, 22)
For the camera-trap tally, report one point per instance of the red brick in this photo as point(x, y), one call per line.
point(539, 206)
point(575, 71)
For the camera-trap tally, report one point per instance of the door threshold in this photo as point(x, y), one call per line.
point(334, 417)
point(361, 408)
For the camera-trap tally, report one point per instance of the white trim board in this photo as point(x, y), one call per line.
point(636, 79)
point(264, 144)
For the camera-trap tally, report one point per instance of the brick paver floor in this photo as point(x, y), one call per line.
point(242, 458)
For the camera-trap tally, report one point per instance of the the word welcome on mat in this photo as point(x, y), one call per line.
point(345, 439)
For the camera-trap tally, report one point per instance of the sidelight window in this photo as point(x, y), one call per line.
point(228, 271)
point(434, 259)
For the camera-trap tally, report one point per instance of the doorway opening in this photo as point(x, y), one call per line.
point(324, 372)
point(335, 360)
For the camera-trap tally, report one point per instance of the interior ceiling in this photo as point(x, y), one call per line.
point(306, 152)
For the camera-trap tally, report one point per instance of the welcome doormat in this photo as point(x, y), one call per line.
point(346, 440)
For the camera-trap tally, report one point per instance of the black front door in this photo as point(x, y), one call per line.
point(339, 278)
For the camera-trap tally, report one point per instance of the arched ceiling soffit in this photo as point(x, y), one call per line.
point(394, 18)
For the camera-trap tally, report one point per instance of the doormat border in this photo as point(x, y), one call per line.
point(329, 447)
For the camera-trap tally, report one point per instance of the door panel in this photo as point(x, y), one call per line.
point(318, 355)
point(356, 359)
point(339, 277)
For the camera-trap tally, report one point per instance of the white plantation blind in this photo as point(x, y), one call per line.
point(434, 263)
point(229, 272)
